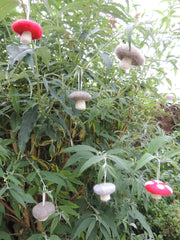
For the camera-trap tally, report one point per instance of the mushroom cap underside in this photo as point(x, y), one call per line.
point(41, 212)
point(158, 187)
point(122, 51)
point(80, 95)
point(104, 188)
point(23, 25)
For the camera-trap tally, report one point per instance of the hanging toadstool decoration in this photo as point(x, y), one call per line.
point(158, 189)
point(104, 190)
point(129, 56)
point(28, 30)
point(43, 210)
point(80, 97)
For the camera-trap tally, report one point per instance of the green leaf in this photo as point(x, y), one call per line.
point(3, 152)
point(53, 177)
point(78, 148)
point(90, 162)
point(17, 53)
point(90, 228)
point(17, 197)
point(120, 162)
point(45, 54)
point(142, 220)
point(143, 161)
point(54, 237)
point(1, 172)
point(28, 198)
point(83, 226)
point(37, 236)
point(107, 60)
point(157, 143)
point(14, 98)
point(77, 157)
point(28, 121)
point(2, 209)
point(2, 191)
point(69, 210)
point(6, 6)
point(54, 224)
point(4, 236)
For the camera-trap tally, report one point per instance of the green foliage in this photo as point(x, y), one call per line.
point(48, 146)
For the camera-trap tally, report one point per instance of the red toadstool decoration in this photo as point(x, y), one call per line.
point(158, 189)
point(28, 30)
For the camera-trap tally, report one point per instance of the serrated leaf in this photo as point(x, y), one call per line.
point(69, 210)
point(2, 191)
point(54, 237)
point(14, 98)
point(4, 235)
point(3, 152)
point(83, 226)
point(120, 162)
point(17, 197)
point(143, 161)
point(90, 162)
point(54, 224)
point(15, 121)
point(157, 143)
point(90, 228)
point(28, 121)
point(77, 157)
point(53, 177)
point(17, 53)
point(78, 148)
point(29, 59)
point(107, 60)
point(2, 209)
point(6, 6)
point(28, 198)
point(142, 220)
point(37, 236)
point(45, 54)
point(1, 172)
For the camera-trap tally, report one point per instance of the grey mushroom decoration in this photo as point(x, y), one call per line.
point(128, 56)
point(104, 190)
point(80, 97)
point(42, 211)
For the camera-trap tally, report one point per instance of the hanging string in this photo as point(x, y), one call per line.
point(43, 197)
point(81, 78)
point(105, 169)
point(79, 81)
point(159, 169)
point(28, 10)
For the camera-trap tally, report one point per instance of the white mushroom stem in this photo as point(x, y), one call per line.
point(126, 63)
point(26, 37)
point(80, 105)
point(105, 198)
point(156, 196)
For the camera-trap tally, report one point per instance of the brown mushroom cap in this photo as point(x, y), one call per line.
point(42, 212)
point(80, 95)
point(122, 51)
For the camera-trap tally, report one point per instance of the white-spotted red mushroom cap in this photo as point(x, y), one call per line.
point(128, 56)
point(80, 97)
point(104, 190)
point(158, 187)
point(42, 212)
